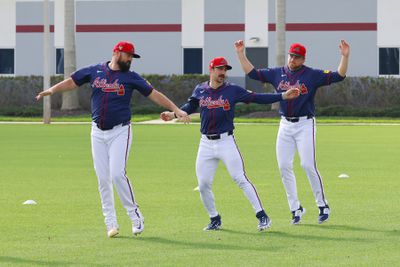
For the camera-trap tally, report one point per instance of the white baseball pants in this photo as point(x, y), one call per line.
point(209, 154)
point(299, 136)
point(110, 151)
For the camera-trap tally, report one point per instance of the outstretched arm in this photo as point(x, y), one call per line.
point(67, 84)
point(266, 98)
point(244, 62)
point(269, 98)
point(344, 60)
point(160, 99)
point(190, 107)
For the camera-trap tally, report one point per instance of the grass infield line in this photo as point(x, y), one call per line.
point(197, 123)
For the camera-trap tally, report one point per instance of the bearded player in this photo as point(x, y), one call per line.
point(297, 128)
point(216, 100)
point(112, 86)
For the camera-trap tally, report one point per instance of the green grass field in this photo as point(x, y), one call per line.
point(52, 165)
point(78, 118)
point(196, 118)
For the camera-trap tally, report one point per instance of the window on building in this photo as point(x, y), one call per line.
point(258, 56)
point(60, 61)
point(6, 61)
point(192, 61)
point(389, 61)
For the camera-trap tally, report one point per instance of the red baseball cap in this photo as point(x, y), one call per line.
point(298, 50)
point(218, 62)
point(126, 47)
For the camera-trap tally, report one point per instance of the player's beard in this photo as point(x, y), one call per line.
point(294, 67)
point(124, 65)
point(221, 78)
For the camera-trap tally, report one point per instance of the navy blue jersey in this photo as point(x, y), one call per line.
point(111, 92)
point(306, 79)
point(217, 106)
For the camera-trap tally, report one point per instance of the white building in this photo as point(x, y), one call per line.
point(181, 36)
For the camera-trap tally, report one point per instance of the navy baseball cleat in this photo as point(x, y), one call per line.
point(323, 214)
point(138, 223)
point(138, 226)
point(264, 221)
point(215, 224)
point(297, 215)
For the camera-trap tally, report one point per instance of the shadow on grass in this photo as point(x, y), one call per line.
point(204, 245)
point(280, 234)
point(352, 228)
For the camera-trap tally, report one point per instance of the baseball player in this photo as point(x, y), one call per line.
point(112, 86)
point(297, 128)
point(216, 100)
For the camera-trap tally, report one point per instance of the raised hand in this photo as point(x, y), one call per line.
point(239, 46)
point(344, 48)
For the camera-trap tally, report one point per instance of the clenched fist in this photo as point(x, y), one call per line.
point(291, 94)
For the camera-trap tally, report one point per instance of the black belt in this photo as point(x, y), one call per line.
point(109, 128)
point(296, 119)
point(216, 136)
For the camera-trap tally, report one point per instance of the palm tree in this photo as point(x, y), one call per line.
point(70, 99)
point(280, 14)
point(46, 62)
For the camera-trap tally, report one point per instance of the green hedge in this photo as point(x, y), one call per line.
point(355, 96)
point(358, 112)
point(17, 95)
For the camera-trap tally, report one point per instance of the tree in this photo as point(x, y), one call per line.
point(280, 14)
point(46, 62)
point(70, 99)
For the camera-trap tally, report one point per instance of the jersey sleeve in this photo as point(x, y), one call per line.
point(263, 75)
point(143, 86)
point(243, 95)
point(82, 76)
point(246, 96)
point(193, 102)
point(326, 77)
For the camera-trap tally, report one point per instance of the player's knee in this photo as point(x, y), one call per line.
point(308, 166)
point(240, 180)
point(285, 167)
point(104, 185)
point(203, 187)
point(118, 174)
point(103, 180)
